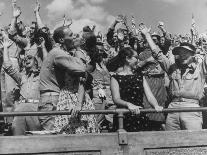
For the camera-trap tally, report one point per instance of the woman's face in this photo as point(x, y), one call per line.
point(184, 57)
point(133, 60)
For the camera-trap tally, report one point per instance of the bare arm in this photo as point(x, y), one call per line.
point(150, 97)
point(22, 42)
point(16, 13)
point(156, 52)
point(43, 49)
point(8, 67)
point(37, 16)
point(81, 94)
point(116, 94)
point(118, 101)
point(71, 64)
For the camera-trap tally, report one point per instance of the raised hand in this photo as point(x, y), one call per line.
point(161, 25)
point(42, 41)
point(37, 7)
point(17, 12)
point(119, 19)
point(6, 42)
point(143, 29)
point(14, 3)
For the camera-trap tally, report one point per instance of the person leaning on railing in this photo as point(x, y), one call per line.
point(128, 87)
point(187, 79)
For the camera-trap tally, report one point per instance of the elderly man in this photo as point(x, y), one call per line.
point(186, 83)
point(57, 63)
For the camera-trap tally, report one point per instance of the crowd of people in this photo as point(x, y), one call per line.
point(128, 67)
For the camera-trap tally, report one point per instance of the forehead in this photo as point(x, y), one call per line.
point(184, 52)
point(154, 37)
point(68, 31)
point(162, 38)
point(135, 53)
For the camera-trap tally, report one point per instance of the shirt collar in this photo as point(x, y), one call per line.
point(192, 65)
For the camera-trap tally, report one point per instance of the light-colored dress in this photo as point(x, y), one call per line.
point(68, 99)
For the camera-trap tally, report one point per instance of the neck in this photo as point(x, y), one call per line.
point(29, 70)
point(127, 69)
point(62, 46)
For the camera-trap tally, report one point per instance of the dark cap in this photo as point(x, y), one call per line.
point(186, 46)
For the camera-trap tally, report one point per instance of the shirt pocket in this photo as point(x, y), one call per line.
point(35, 83)
point(193, 76)
point(192, 83)
point(175, 76)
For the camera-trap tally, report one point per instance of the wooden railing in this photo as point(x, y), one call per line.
point(118, 143)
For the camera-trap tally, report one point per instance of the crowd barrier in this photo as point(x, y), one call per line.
point(117, 143)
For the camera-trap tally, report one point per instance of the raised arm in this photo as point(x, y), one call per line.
point(16, 13)
point(111, 29)
point(43, 49)
point(20, 41)
point(37, 15)
point(156, 52)
point(163, 30)
point(8, 67)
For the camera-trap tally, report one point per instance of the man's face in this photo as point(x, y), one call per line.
point(32, 30)
point(68, 39)
point(133, 60)
point(121, 34)
point(29, 62)
point(162, 41)
point(154, 38)
point(183, 57)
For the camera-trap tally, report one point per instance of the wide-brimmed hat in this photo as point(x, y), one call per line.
point(185, 46)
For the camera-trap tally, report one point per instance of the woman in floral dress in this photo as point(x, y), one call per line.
point(73, 97)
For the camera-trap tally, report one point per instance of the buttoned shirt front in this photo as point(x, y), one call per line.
point(189, 84)
point(28, 84)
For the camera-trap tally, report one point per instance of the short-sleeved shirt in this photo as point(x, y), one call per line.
point(29, 85)
point(54, 67)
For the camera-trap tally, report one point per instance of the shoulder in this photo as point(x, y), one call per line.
point(172, 68)
point(80, 54)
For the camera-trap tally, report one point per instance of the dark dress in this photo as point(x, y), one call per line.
point(131, 90)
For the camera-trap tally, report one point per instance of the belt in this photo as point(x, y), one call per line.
point(154, 75)
point(29, 101)
point(49, 94)
point(181, 99)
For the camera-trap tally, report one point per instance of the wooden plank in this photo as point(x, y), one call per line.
point(107, 144)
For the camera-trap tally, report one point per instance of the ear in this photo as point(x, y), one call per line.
point(127, 59)
point(61, 40)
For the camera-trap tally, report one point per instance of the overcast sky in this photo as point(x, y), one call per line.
point(176, 14)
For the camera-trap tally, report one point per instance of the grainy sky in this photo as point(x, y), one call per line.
point(176, 14)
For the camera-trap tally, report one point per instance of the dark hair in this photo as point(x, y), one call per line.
point(120, 59)
point(59, 33)
point(44, 33)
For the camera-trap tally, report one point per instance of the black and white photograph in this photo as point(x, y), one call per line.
point(103, 77)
